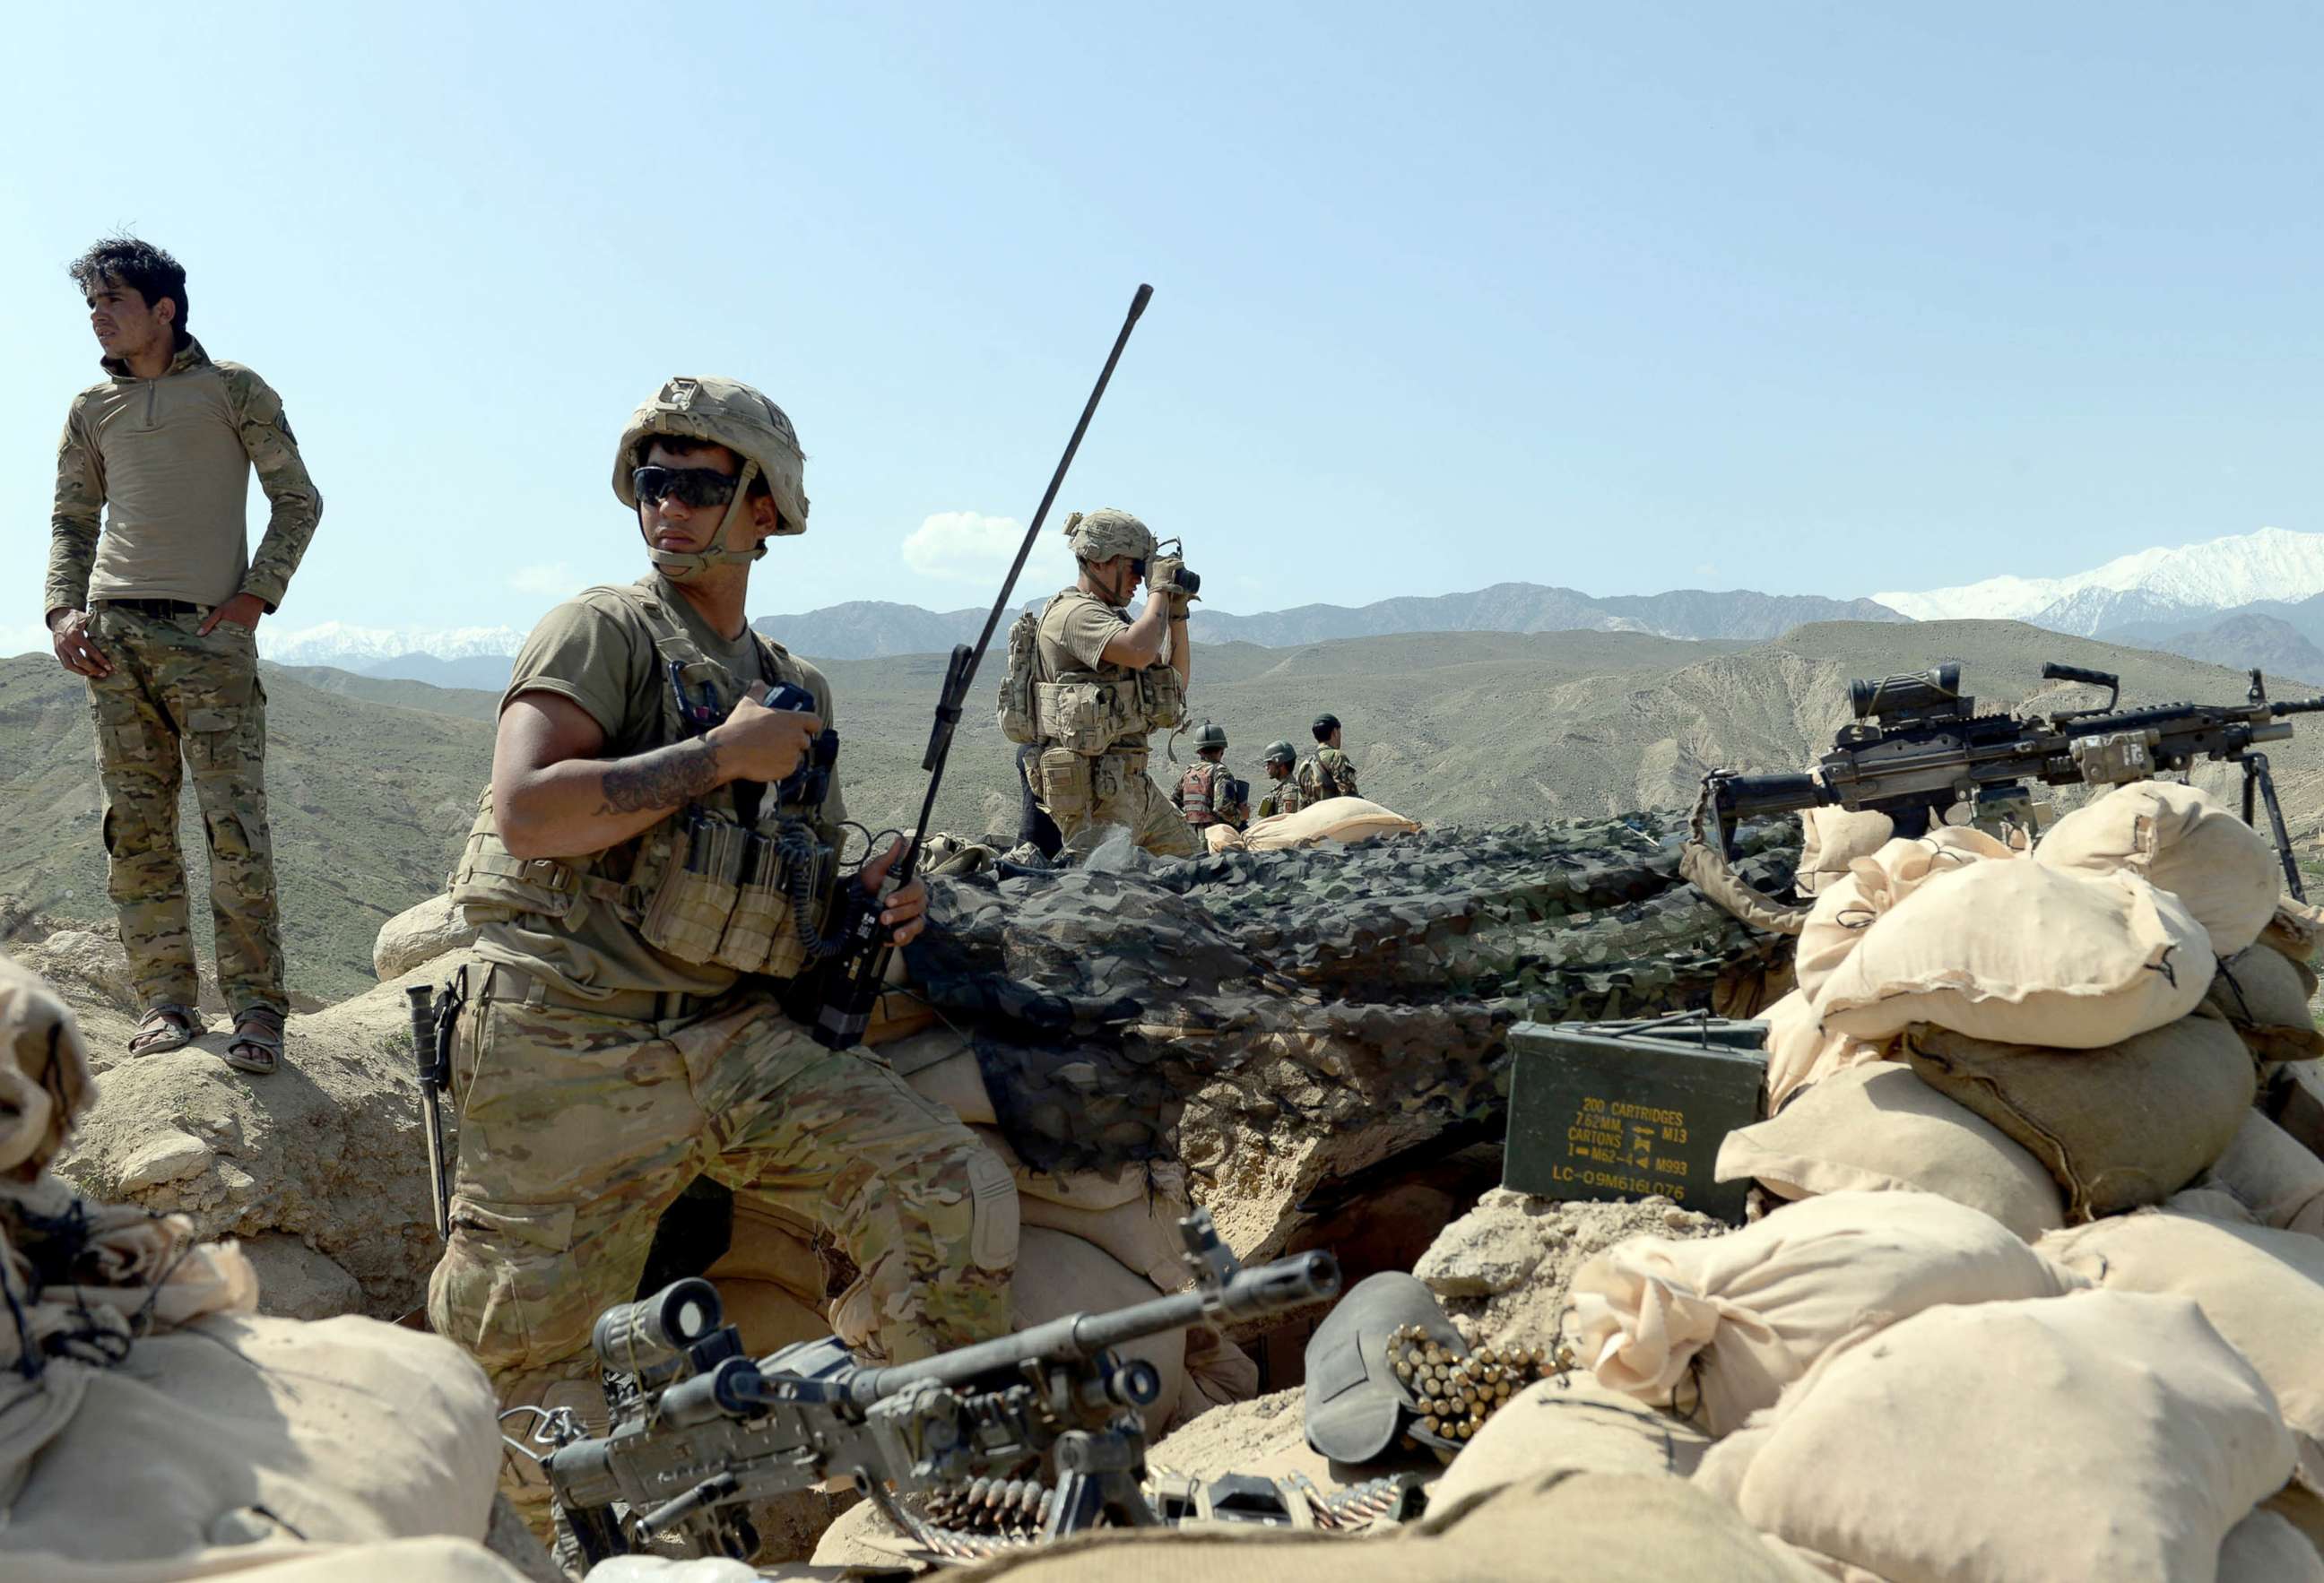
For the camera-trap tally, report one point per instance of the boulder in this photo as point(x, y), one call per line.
point(420, 934)
point(325, 1156)
point(83, 964)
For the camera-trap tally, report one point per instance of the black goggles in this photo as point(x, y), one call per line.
point(689, 486)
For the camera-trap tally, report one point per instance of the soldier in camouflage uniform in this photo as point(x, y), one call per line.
point(1284, 795)
point(1206, 793)
point(651, 869)
point(156, 609)
point(1103, 683)
point(1328, 772)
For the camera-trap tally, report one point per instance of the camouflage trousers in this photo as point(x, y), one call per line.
point(175, 694)
point(1091, 799)
point(579, 1130)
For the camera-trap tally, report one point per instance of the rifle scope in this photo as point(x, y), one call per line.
point(1935, 690)
point(632, 1338)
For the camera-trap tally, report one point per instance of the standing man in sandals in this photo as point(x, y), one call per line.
point(1104, 681)
point(651, 871)
point(156, 608)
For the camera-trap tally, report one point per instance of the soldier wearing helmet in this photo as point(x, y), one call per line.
point(1283, 793)
point(650, 871)
point(1328, 772)
point(1206, 793)
point(1104, 681)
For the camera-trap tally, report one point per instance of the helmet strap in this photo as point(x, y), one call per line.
point(681, 569)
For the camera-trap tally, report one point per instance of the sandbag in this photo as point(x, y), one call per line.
point(2293, 930)
point(1852, 902)
point(1570, 1422)
point(1222, 838)
point(2267, 1172)
point(2263, 996)
point(2024, 953)
point(2117, 1129)
point(1832, 838)
point(1346, 820)
point(2264, 1548)
point(2180, 839)
point(1878, 1128)
point(1800, 1054)
point(2263, 1290)
point(940, 1065)
point(1606, 1527)
point(1716, 1328)
point(2107, 1434)
point(236, 1429)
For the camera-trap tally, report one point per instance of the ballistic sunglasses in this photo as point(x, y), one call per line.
point(689, 486)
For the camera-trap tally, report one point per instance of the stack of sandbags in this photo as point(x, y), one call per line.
point(2104, 1434)
point(1089, 1240)
point(2100, 1006)
point(1716, 1328)
point(2261, 1290)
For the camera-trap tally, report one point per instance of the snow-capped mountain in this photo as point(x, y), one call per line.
point(2154, 585)
point(352, 648)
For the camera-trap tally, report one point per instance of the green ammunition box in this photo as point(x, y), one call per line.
point(1607, 1110)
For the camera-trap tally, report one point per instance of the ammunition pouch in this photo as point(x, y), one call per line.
point(1085, 715)
point(700, 888)
point(1162, 697)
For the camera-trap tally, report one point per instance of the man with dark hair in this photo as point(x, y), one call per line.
point(1329, 773)
point(156, 609)
point(652, 873)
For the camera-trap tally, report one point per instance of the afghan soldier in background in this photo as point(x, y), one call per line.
point(1329, 772)
point(1103, 683)
point(1284, 795)
point(651, 869)
point(1206, 793)
point(157, 608)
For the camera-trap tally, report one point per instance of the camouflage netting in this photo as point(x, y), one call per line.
point(1293, 991)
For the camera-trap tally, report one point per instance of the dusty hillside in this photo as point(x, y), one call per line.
point(368, 801)
point(370, 796)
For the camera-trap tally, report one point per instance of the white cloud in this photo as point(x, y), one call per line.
point(969, 547)
point(546, 580)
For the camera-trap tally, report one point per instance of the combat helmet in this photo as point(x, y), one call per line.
point(1105, 533)
point(1281, 753)
point(730, 413)
point(1212, 735)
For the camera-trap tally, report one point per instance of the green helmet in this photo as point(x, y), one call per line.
point(1327, 723)
point(1103, 534)
point(1211, 736)
point(730, 413)
point(1281, 753)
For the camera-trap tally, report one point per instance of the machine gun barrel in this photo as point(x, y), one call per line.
point(1250, 1293)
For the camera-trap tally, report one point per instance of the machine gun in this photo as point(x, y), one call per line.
point(1919, 748)
point(699, 1430)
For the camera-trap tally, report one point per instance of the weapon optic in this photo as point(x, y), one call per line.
point(1918, 748)
point(699, 1428)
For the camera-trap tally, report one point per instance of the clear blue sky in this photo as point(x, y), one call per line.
point(1818, 299)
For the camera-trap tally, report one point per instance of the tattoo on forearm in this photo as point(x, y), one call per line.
point(667, 777)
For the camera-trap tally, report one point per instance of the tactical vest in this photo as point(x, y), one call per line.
point(1195, 792)
point(1287, 795)
point(700, 885)
point(1088, 712)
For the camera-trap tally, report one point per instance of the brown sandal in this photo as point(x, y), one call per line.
point(259, 1032)
point(164, 1027)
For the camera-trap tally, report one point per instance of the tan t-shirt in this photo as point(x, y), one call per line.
point(598, 651)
